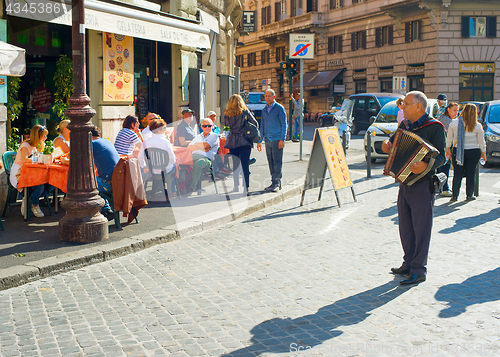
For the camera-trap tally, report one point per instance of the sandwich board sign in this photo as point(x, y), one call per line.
point(327, 152)
point(301, 46)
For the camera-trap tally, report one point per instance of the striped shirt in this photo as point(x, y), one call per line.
point(125, 141)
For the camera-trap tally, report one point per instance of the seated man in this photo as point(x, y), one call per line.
point(204, 147)
point(184, 133)
point(105, 159)
point(146, 132)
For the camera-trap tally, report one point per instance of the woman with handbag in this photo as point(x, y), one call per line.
point(235, 116)
point(468, 135)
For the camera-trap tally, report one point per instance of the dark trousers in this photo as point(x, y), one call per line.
point(468, 169)
point(241, 158)
point(445, 169)
point(275, 160)
point(415, 213)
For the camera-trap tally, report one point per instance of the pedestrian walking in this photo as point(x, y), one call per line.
point(273, 130)
point(401, 115)
point(416, 202)
point(449, 114)
point(239, 146)
point(468, 136)
point(297, 108)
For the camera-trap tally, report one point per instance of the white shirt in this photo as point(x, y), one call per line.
point(473, 140)
point(212, 139)
point(158, 141)
point(146, 133)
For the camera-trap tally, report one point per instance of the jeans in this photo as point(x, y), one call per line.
point(199, 163)
point(296, 127)
point(241, 157)
point(39, 191)
point(104, 186)
point(275, 161)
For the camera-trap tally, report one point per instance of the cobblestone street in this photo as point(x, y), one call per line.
point(287, 281)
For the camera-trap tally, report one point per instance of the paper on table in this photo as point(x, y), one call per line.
point(57, 152)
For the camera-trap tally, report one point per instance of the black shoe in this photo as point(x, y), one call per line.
point(295, 140)
point(470, 198)
point(220, 176)
point(252, 161)
point(413, 279)
point(108, 214)
point(400, 271)
point(453, 199)
point(275, 187)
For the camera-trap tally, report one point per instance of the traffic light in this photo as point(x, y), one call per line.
point(292, 68)
point(284, 65)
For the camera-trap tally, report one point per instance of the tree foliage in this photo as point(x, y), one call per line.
point(63, 79)
point(14, 106)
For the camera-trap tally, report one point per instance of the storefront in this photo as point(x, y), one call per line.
point(476, 81)
point(385, 75)
point(416, 77)
point(359, 78)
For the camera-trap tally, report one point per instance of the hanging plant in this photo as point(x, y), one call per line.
point(13, 141)
point(63, 80)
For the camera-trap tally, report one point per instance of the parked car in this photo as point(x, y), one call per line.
point(490, 118)
point(368, 105)
point(479, 105)
point(255, 102)
point(385, 124)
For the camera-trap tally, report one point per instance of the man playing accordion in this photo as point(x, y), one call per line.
point(416, 202)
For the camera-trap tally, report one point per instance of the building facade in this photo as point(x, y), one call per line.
point(435, 46)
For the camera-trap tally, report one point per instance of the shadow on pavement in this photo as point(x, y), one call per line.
point(477, 289)
point(284, 335)
point(473, 221)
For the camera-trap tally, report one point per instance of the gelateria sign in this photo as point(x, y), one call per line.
point(101, 16)
point(477, 68)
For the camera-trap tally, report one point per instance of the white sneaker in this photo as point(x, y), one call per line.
point(23, 205)
point(37, 212)
point(446, 194)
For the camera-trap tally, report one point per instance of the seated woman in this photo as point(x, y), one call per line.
point(129, 139)
point(62, 141)
point(28, 147)
point(158, 140)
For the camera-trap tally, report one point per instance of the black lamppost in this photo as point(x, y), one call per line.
point(82, 223)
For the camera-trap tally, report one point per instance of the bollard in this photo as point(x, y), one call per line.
point(344, 141)
point(476, 181)
point(368, 154)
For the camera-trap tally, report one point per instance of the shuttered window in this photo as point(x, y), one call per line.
point(413, 31)
point(485, 26)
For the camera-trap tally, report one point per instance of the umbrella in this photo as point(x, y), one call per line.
point(12, 60)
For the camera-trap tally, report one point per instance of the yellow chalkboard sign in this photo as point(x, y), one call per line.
point(326, 152)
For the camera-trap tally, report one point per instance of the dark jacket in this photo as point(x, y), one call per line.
point(236, 125)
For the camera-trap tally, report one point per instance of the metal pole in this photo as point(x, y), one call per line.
point(301, 104)
point(290, 103)
point(368, 154)
point(82, 223)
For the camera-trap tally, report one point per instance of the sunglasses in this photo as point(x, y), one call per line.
point(206, 126)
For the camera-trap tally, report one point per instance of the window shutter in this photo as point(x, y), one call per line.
point(465, 27)
point(491, 26)
point(378, 37)
point(331, 45)
point(341, 3)
point(277, 11)
point(407, 32)
point(353, 41)
point(363, 39)
point(277, 49)
point(292, 8)
point(340, 43)
point(390, 35)
point(269, 14)
point(314, 5)
point(263, 16)
point(419, 30)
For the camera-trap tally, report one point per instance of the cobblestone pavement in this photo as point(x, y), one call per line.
point(286, 281)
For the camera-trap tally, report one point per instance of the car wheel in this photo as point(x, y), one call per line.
point(354, 128)
point(373, 159)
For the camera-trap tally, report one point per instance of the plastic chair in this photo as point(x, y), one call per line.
point(158, 160)
point(212, 173)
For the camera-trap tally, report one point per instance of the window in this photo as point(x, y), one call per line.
point(252, 59)
point(413, 31)
point(384, 36)
point(335, 44)
point(280, 54)
point(358, 40)
point(335, 4)
point(264, 57)
point(266, 15)
point(475, 87)
point(356, 1)
point(479, 26)
point(239, 61)
point(280, 10)
point(312, 5)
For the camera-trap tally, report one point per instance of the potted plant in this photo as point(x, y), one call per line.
point(48, 149)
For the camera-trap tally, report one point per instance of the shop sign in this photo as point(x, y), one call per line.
point(249, 21)
point(359, 75)
point(477, 68)
point(415, 71)
point(338, 88)
point(388, 72)
point(333, 63)
point(118, 63)
point(42, 99)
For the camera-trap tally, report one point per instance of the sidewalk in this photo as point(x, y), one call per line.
point(32, 250)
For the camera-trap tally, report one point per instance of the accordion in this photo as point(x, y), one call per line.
point(407, 149)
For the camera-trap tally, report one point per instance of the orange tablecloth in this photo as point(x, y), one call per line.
point(183, 154)
point(39, 174)
point(222, 150)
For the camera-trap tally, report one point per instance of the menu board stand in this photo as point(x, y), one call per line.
point(327, 152)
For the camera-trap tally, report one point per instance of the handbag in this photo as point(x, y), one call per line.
point(438, 181)
point(251, 132)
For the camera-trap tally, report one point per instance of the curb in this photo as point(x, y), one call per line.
point(32, 271)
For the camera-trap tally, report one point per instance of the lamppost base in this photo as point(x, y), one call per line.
point(83, 223)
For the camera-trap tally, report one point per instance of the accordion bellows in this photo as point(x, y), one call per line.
point(407, 149)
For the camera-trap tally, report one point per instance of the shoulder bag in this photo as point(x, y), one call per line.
point(251, 132)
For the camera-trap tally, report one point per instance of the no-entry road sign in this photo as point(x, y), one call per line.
point(301, 46)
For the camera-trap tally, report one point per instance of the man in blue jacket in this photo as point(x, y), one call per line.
point(273, 129)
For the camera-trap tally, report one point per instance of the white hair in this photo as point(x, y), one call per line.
point(419, 97)
point(207, 120)
point(270, 90)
